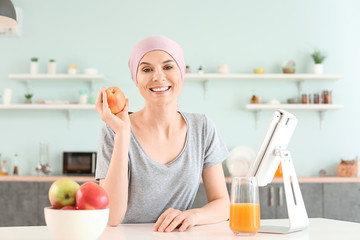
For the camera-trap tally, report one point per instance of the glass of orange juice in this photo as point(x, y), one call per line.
point(245, 207)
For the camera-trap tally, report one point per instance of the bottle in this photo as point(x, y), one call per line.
point(15, 172)
point(4, 169)
point(254, 99)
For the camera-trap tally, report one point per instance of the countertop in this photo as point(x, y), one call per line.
point(319, 228)
point(228, 179)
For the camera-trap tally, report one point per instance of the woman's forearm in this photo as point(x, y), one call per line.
point(215, 211)
point(116, 181)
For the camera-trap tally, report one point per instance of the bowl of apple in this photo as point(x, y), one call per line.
point(77, 212)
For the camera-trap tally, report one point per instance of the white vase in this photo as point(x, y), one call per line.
point(34, 67)
point(51, 67)
point(7, 96)
point(83, 99)
point(318, 68)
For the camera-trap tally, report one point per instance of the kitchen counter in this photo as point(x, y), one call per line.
point(319, 228)
point(228, 179)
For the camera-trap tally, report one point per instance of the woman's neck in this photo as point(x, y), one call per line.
point(160, 118)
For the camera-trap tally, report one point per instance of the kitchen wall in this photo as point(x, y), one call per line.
point(243, 34)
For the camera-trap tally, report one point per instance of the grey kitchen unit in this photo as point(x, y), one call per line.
point(22, 203)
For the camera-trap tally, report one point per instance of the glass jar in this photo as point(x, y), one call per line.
point(326, 97)
point(317, 98)
point(304, 98)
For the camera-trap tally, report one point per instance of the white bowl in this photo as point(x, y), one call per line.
point(90, 71)
point(76, 224)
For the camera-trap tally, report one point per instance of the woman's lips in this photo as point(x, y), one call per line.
point(160, 89)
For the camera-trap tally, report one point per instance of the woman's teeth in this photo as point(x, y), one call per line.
point(160, 89)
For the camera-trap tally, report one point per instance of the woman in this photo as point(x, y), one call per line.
point(151, 162)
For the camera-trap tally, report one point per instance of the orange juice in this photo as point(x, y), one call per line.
point(244, 217)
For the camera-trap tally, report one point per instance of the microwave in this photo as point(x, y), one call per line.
point(79, 163)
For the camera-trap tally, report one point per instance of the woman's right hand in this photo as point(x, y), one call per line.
point(119, 123)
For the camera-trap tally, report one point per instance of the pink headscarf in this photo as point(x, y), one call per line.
point(156, 43)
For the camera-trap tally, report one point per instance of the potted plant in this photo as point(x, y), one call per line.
point(188, 70)
point(318, 58)
point(200, 70)
point(28, 97)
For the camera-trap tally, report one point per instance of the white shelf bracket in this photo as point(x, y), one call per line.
point(69, 119)
point(322, 119)
point(206, 89)
point(300, 84)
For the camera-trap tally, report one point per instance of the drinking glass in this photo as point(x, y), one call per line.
point(245, 207)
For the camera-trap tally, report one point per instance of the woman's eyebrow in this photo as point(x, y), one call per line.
point(146, 63)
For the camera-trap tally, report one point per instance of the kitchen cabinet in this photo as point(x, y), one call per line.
point(23, 203)
point(18, 204)
point(312, 194)
point(329, 200)
point(342, 201)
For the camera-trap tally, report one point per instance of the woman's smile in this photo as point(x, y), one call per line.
point(160, 90)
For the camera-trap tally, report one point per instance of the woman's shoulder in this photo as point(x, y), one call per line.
point(198, 119)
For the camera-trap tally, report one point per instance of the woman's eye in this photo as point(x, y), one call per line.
point(146, 70)
point(168, 67)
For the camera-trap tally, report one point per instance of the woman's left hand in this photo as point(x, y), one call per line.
point(173, 218)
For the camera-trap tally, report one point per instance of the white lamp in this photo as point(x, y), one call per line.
point(7, 14)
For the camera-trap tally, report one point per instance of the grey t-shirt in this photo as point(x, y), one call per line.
point(155, 187)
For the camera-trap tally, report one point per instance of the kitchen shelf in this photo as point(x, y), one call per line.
point(27, 78)
point(321, 108)
point(67, 107)
point(298, 78)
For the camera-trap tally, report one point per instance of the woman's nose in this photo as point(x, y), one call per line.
point(159, 75)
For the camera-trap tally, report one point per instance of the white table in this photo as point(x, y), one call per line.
point(319, 229)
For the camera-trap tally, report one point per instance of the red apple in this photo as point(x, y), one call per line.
point(68, 208)
point(91, 196)
point(115, 99)
point(62, 192)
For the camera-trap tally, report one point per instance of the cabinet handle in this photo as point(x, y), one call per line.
point(271, 199)
point(281, 196)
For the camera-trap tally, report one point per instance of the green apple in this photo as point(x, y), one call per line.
point(62, 192)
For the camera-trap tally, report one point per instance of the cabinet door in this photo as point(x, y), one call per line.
point(43, 200)
point(342, 201)
point(267, 201)
point(18, 204)
point(312, 194)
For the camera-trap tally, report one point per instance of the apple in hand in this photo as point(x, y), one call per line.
point(91, 196)
point(115, 99)
point(62, 192)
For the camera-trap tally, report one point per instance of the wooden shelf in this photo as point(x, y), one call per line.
point(321, 108)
